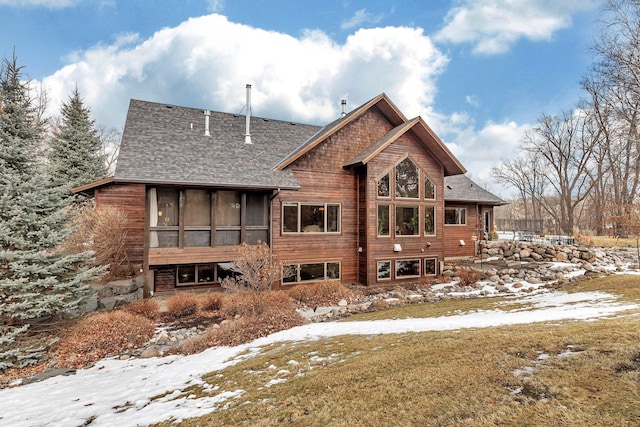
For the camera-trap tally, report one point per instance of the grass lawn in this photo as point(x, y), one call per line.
point(565, 373)
point(609, 242)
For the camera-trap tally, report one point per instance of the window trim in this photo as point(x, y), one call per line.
point(214, 280)
point(424, 188)
point(395, 180)
point(384, 279)
point(435, 223)
point(424, 266)
point(299, 219)
point(395, 223)
point(296, 270)
point(458, 216)
point(378, 206)
point(396, 261)
point(388, 175)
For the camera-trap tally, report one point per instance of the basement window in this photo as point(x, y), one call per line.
point(311, 272)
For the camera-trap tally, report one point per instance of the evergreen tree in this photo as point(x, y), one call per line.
point(36, 278)
point(75, 150)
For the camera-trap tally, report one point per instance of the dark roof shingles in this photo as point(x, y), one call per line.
point(459, 188)
point(159, 146)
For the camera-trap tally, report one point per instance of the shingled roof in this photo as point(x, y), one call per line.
point(459, 188)
point(166, 144)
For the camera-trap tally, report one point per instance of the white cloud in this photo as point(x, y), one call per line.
point(472, 100)
point(49, 4)
point(205, 62)
point(492, 27)
point(216, 6)
point(359, 18)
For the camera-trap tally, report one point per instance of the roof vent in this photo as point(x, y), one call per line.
point(247, 134)
point(207, 113)
point(343, 103)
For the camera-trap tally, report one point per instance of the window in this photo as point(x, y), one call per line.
point(429, 189)
point(197, 218)
point(228, 230)
point(383, 220)
point(310, 218)
point(455, 216)
point(430, 266)
point(383, 186)
point(429, 220)
point(311, 272)
point(166, 207)
point(257, 218)
point(407, 179)
point(407, 268)
point(185, 218)
point(407, 221)
point(199, 274)
point(384, 270)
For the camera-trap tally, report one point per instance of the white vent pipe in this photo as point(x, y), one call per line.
point(247, 135)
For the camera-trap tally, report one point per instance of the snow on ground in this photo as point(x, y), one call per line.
point(144, 391)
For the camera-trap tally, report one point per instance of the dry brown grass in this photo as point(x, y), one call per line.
point(102, 335)
point(588, 375)
point(613, 242)
point(211, 301)
point(148, 307)
point(468, 277)
point(325, 293)
point(182, 304)
point(277, 313)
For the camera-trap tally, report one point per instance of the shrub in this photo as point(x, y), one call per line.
point(380, 304)
point(103, 231)
point(102, 335)
point(323, 293)
point(211, 301)
point(468, 277)
point(147, 307)
point(181, 305)
point(280, 314)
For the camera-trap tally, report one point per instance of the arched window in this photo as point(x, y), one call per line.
point(407, 180)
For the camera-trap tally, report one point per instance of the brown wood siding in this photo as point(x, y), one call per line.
point(342, 147)
point(130, 199)
point(161, 256)
point(327, 187)
point(363, 235)
point(454, 233)
point(413, 247)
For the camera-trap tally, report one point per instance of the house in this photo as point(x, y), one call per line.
point(360, 200)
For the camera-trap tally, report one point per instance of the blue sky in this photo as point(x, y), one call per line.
point(479, 72)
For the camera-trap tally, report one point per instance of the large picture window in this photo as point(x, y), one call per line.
point(310, 218)
point(455, 216)
point(311, 272)
point(407, 221)
point(406, 181)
